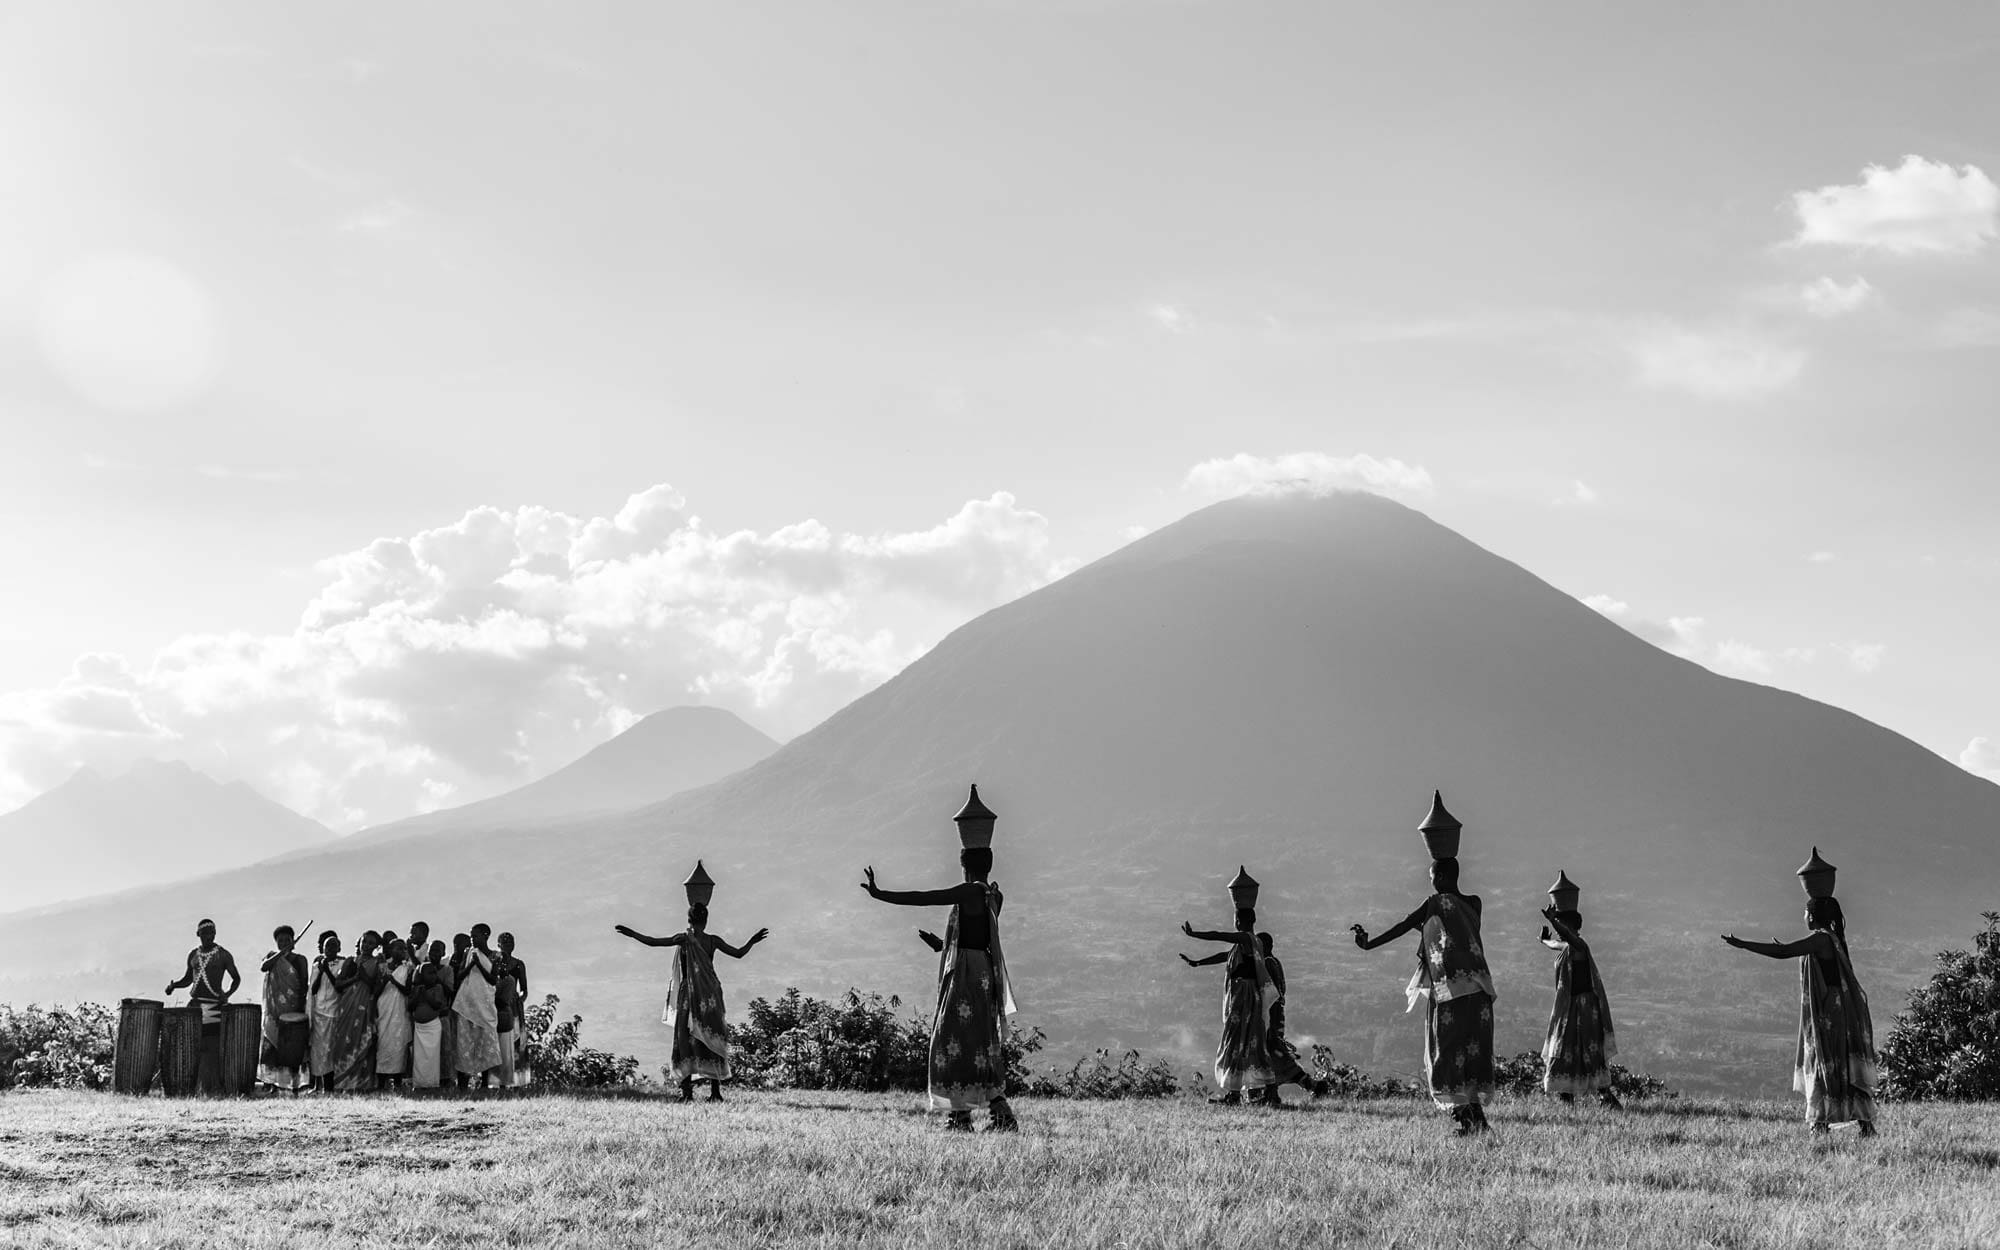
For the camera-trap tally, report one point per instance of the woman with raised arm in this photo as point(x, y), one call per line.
point(1576, 1054)
point(968, 1055)
point(1451, 980)
point(1243, 1055)
point(694, 993)
point(1834, 1065)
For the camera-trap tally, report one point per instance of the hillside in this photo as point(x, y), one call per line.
point(662, 755)
point(1276, 682)
point(153, 823)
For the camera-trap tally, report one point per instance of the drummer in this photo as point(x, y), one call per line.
point(207, 965)
point(286, 1029)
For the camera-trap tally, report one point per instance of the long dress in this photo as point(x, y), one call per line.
point(1457, 992)
point(428, 1005)
point(968, 1059)
point(280, 1056)
point(1577, 1053)
point(353, 1036)
point(1835, 1064)
point(1285, 1065)
point(325, 1014)
point(694, 1010)
point(477, 1045)
point(1243, 1056)
point(392, 1023)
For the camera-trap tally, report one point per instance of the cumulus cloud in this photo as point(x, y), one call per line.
point(1729, 363)
point(1982, 756)
point(1682, 635)
point(1862, 657)
point(1920, 206)
point(1306, 472)
point(1829, 298)
point(466, 658)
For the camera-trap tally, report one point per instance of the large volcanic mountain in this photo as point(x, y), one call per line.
point(1275, 682)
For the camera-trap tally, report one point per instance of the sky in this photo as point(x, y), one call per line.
point(397, 400)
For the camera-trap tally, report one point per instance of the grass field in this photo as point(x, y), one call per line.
point(844, 1169)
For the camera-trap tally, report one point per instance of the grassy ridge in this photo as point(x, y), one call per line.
point(830, 1169)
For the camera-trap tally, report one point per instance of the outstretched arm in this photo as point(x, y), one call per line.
point(738, 952)
point(931, 940)
point(1230, 936)
point(964, 892)
point(187, 978)
point(1811, 944)
point(1216, 958)
point(1407, 924)
point(637, 936)
point(1562, 929)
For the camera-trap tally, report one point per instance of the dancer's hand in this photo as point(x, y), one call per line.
point(874, 891)
point(757, 937)
point(1360, 936)
point(624, 930)
point(1730, 939)
point(1187, 928)
point(930, 939)
point(1189, 962)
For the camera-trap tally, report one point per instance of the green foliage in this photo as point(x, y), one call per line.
point(56, 1047)
point(559, 1059)
point(1098, 1075)
point(1351, 1082)
point(1523, 1075)
point(1946, 1043)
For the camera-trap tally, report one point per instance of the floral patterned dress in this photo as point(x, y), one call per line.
point(1835, 1064)
point(1243, 1056)
point(1577, 1053)
point(694, 1009)
point(968, 1060)
point(1457, 992)
point(351, 1044)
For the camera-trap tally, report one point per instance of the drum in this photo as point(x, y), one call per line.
point(180, 1051)
point(136, 1054)
point(294, 1046)
point(242, 1038)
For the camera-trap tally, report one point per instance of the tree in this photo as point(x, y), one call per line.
point(1946, 1043)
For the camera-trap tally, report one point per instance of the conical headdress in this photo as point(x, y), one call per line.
point(700, 886)
point(1243, 888)
point(975, 823)
point(1440, 829)
point(1816, 875)
point(1564, 892)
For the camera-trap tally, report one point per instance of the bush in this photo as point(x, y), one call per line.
point(1351, 1082)
point(560, 1060)
point(56, 1047)
point(853, 1042)
point(1523, 1075)
point(1946, 1043)
point(1097, 1075)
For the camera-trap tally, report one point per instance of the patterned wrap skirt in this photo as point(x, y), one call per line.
point(968, 1064)
point(1835, 1065)
point(1579, 1046)
point(1458, 1049)
point(1243, 1056)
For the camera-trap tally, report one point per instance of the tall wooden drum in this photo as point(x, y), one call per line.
point(136, 1054)
point(242, 1038)
point(180, 1051)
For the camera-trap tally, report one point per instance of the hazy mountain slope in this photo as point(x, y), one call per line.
point(662, 755)
point(1274, 682)
point(154, 823)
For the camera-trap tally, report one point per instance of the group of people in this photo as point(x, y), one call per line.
point(397, 1012)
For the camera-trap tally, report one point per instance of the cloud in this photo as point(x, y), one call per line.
point(1982, 756)
point(1682, 635)
point(1971, 326)
point(1920, 206)
point(1306, 472)
point(1828, 298)
point(469, 657)
point(1581, 494)
point(1862, 657)
point(1171, 317)
point(1722, 363)
point(1734, 655)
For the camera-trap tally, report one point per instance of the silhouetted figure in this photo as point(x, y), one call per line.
point(694, 1006)
point(1242, 1055)
point(1834, 1065)
point(1451, 980)
point(1576, 1054)
point(208, 966)
point(1284, 1056)
point(476, 1013)
point(968, 1054)
point(287, 1032)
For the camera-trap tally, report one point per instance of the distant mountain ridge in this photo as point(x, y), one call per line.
point(1276, 682)
point(155, 822)
point(661, 755)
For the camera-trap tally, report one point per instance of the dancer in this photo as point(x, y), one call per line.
point(1451, 980)
point(323, 999)
point(1834, 1065)
point(354, 1018)
point(1243, 1056)
point(207, 965)
point(286, 1032)
point(968, 1055)
point(478, 1040)
point(510, 965)
point(694, 1008)
point(1576, 1055)
point(1285, 1062)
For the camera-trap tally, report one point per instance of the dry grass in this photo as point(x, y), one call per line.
point(813, 1169)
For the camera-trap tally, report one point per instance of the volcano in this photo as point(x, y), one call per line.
point(1277, 682)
